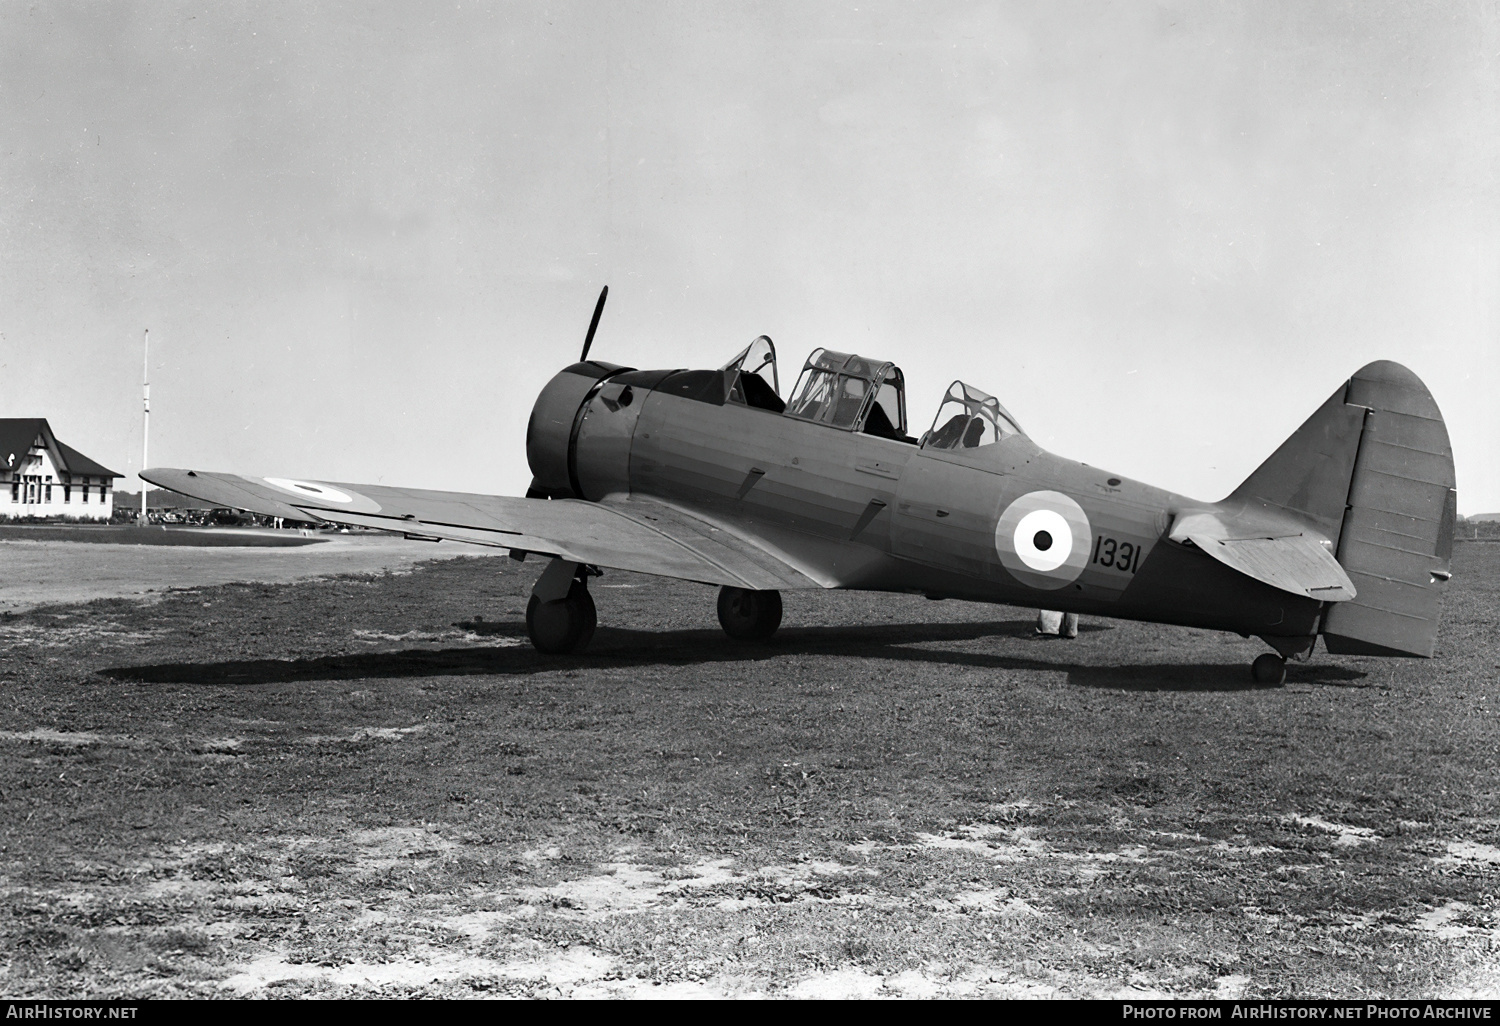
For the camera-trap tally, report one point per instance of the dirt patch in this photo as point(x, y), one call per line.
point(841, 984)
point(563, 967)
point(620, 888)
point(1344, 835)
point(72, 739)
point(446, 636)
point(364, 734)
point(1455, 920)
point(477, 926)
point(1469, 854)
point(386, 847)
point(56, 635)
point(991, 842)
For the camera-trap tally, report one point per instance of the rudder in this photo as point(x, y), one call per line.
point(1397, 538)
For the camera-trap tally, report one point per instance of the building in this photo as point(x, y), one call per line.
point(42, 477)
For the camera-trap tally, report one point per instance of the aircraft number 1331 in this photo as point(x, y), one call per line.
point(1118, 555)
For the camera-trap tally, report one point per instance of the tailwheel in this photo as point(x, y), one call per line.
point(1269, 669)
point(564, 626)
point(749, 615)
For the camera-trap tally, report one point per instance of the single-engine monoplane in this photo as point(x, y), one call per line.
point(1345, 532)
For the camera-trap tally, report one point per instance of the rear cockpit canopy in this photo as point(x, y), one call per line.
point(849, 392)
point(969, 419)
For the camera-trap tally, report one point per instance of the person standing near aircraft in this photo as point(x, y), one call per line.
point(1058, 625)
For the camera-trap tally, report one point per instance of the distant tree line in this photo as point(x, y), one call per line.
point(1474, 530)
point(158, 498)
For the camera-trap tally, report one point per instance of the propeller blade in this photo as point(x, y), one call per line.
point(588, 339)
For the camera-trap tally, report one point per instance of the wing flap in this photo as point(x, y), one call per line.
point(1294, 562)
point(630, 534)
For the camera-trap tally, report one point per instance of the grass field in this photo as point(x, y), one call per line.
point(371, 785)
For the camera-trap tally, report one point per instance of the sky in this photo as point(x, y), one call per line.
point(363, 236)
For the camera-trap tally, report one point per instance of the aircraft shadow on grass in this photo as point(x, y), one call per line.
point(618, 647)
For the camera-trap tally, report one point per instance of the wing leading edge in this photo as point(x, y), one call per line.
point(627, 534)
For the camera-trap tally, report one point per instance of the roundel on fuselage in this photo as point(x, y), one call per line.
point(1043, 539)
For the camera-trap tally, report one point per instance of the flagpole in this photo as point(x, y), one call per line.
point(145, 418)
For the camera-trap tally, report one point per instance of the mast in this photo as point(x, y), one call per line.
point(145, 417)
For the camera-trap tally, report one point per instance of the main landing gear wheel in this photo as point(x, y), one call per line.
point(565, 626)
point(749, 615)
point(1269, 669)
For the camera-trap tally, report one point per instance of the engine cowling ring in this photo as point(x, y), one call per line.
point(549, 432)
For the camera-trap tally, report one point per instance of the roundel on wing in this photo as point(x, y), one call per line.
point(1043, 539)
point(324, 496)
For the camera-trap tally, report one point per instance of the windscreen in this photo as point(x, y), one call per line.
point(758, 358)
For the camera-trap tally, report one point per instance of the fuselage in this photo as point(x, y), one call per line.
point(859, 511)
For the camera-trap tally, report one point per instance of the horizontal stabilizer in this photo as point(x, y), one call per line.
point(1295, 562)
point(629, 534)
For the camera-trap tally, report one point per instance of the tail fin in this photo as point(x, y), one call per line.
point(1309, 475)
point(1372, 470)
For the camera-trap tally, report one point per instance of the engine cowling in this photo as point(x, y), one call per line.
point(552, 430)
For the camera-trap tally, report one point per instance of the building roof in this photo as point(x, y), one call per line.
point(17, 435)
point(78, 463)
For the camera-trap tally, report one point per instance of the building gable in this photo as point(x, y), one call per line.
point(18, 435)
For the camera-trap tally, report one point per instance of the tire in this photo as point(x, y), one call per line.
point(1269, 669)
point(749, 615)
point(563, 627)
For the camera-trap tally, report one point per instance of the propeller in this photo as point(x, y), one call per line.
point(588, 339)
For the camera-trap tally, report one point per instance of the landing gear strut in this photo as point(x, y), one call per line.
point(1269, 669)
point(560, 616)
point(749, 615)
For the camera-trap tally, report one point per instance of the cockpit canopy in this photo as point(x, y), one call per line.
point(851, 393)
point(752, 376)
point(969, 419)
point(847, 391)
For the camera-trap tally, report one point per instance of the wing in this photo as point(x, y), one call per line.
point(1282, 556)
point(627, 534)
